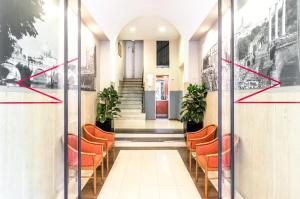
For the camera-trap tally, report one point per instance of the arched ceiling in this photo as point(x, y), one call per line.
point(113, 15)
point(149, 28)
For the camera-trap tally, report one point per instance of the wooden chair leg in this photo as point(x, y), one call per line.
point(206, 183)
point(190, 160)
point(114, 152)
point(107, 161)
point(95, 180)
point(187, 154)
point(102, 169)
point(196, 167)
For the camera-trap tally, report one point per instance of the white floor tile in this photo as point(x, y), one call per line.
point(150, 144)
point(149, 174)
point(152, 135)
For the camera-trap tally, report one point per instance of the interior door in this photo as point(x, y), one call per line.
point(130, 59)
point(134, 59)
point(162, 96)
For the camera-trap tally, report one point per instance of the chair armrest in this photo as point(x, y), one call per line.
point(99, 133)
point(95, 143)
point(92, 138)
point(198, 141)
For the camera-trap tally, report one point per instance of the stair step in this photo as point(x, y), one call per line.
point(131, 85)
point(127, 111)
point(132, 89)
point(132, 79)
point(131, 92)
point(130, 106)
point(134, 98)
point(131, 95)
point(131, 114)
point(132, 117)
point(131, 102)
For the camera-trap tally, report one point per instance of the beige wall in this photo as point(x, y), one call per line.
point(31, 142)
point(174, 72)
point(268, 155)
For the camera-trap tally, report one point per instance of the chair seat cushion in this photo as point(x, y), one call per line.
point(212, 162)
point(87, 161)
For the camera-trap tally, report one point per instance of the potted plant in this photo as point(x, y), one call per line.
point(193, 107)
point(107, 108)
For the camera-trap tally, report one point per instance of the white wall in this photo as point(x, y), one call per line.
point(105, 70)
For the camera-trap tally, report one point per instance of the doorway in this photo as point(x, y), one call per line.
point(134, 59)
point(162, 96)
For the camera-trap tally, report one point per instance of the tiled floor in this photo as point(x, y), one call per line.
point(149, 174)
point(151, 144)
point(148, 124)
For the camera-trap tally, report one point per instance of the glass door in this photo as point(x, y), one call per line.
point(32, 99)
point(267, 80)
point(72, 92)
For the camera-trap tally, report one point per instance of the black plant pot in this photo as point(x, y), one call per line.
point(192, 126)
point(106, 126)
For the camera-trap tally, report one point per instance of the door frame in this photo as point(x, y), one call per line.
point(166, 78)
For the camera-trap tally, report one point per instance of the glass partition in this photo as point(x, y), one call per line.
point(74, 171)
point(225, 177)
point(31, 99)
point(267, 79)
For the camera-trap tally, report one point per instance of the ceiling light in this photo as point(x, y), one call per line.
point(132, 29)
point(162, 29)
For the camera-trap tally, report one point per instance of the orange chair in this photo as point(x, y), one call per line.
point(91, 156)
point(207, 157)
point(206, 134)
point(95, 134)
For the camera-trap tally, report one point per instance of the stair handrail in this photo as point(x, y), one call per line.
point(143, 95)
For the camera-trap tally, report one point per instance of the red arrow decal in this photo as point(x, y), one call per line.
point(20, 83)
point(277, 83)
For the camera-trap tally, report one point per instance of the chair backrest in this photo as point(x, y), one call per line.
point(73, 141)
point(226, 149)
point(211, 129)
point(72, 150)
point(89, 128)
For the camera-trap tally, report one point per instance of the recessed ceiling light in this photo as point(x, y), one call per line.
point(132, 29)
point(162, 29)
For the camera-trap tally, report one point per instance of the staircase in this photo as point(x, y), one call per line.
point(131, 92)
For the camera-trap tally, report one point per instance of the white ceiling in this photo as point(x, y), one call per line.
point(148, 28)
point(113, 15)
point(210, 20)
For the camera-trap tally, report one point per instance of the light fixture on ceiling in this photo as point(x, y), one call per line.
point(132, 29)
point(162, 29)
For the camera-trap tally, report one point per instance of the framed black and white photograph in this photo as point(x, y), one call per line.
point(29, 46)
point(266, 41)
point(89, 60)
